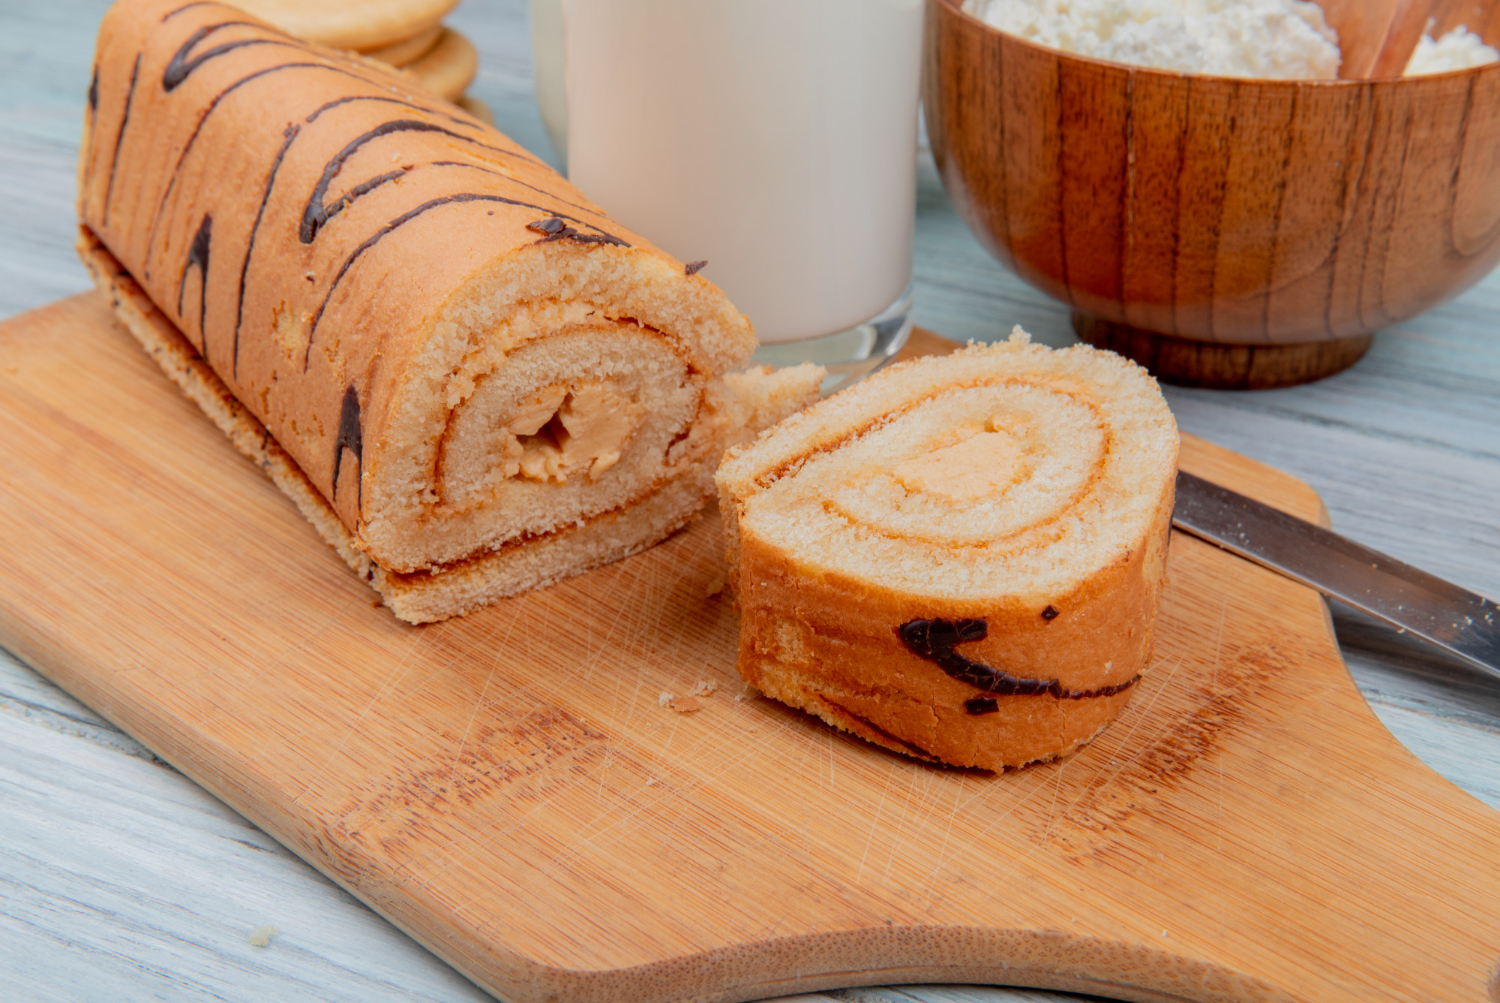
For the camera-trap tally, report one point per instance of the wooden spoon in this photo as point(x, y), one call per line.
point(1378, 37)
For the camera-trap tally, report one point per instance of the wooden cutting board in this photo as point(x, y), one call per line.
point(507, 788)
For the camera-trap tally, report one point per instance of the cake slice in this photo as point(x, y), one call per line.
point(960, 558)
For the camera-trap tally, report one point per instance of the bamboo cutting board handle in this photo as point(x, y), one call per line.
point(508, 789)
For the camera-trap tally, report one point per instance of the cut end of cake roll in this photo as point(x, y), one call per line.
point(959, 559)
point(739, 405)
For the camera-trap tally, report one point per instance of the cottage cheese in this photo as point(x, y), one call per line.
point(1460, 49)
point(1287, 39)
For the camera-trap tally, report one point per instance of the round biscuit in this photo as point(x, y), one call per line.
point(448, 69)
point(408, 50)
point(369, 24)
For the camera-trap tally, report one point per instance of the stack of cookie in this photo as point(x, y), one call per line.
point(406, 34)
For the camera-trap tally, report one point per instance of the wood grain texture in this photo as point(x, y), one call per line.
point(1188, 363)
point(506, 787)
point(1378, 37)
point(1365, 29)
point(1401, 447)
point(1226, 211)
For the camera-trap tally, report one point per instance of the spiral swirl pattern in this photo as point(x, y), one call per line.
point(960, 558)
point(461, 353)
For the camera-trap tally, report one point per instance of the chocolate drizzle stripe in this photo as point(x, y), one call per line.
point(365, 187)
point(266, 71)
point(350, 98)
point(380, 234)
point(516, 151)
point(556, 229)
point(518, 181)
point(203, 118)
point(312, 221)
point(198, 255)
point(351, 436)
point(180, 67)
point(239, 310)
point(935, 640)
point(89, 155)
point(187, 7)
point(318, 211)
point(114, 163)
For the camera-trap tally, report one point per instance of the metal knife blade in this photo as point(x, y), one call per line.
point(1435, 610)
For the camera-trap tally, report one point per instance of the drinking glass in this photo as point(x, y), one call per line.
point(775, 139)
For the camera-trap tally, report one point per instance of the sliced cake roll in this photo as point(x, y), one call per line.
point(959, 559)
point(487, 383)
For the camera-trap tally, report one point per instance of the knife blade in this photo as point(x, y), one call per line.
point(1409, 598)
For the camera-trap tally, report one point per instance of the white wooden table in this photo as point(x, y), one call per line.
point(122, 881)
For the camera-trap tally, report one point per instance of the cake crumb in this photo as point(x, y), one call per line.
point(261, 935)
point(686, 705)
point(666, 698)
point(717, 583)
point(704, 689)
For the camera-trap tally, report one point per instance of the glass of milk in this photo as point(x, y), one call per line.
point(547, 72)
point(775, 139)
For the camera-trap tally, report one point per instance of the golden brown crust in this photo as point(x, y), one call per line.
point(417, 598)
point(831, 646)
point(382, 283)
point(323, 233)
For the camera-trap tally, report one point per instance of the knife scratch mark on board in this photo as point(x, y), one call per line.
point(1100, 779)
point(928, 892)
point(397, 670)
point(588, 834)
point(591, 833)
point(1057, 783)
point(1219, 750)
point(495, 662)
point(874, 824)
point(223, 708)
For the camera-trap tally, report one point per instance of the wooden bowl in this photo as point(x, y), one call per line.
point(1222, 232)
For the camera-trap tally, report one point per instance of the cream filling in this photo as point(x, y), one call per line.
point(551, 434)
point(981, 466)
point(944, 474)
point(561, 431)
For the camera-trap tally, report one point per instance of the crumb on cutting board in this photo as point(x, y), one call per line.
point(716, 584)
point(261, 935)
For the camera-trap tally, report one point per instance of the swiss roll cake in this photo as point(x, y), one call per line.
point(470, 378)
point(959, 559)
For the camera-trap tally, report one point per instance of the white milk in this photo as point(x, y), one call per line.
point(775, 138)
point(547, 72)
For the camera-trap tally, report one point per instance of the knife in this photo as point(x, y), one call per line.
point(1408, 598)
